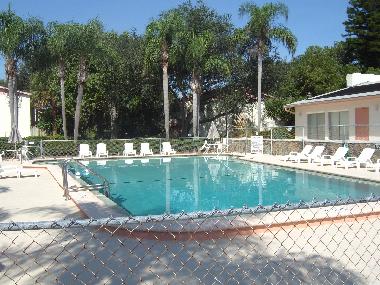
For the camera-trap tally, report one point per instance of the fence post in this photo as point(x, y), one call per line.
point(303, 137)
point(246, 141)
point(41, 149)
point(271, 141)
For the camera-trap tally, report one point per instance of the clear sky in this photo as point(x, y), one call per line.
point(314, 22)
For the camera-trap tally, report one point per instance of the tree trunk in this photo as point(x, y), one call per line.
point(195, 89)
point(62, 81)
point(165, 84)
point(113, 116)
point(259, 76)
point(81, 81)
point(10, 71)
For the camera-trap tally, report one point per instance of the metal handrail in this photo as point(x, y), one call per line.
point(105, 184)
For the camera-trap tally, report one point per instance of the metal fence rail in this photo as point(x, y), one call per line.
point(331, 242)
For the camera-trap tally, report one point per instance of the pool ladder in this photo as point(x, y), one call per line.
point(105, 185)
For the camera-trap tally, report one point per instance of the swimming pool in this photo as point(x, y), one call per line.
point(171, 185)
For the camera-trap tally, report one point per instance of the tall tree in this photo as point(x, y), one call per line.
point(261, 31)
point(61, 47)
point(18, 39)
point(160, 35)
point(363, 31)
point(86, 39)
point(203, 49)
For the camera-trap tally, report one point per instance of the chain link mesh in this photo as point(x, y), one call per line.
point(316, 243)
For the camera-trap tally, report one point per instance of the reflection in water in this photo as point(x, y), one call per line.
point(198, 184)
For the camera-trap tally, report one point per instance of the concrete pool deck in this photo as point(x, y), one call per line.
point(32, 198)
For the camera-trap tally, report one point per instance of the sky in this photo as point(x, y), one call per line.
point(314, 22)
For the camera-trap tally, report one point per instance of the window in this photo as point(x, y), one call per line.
point(338, 125)
point(316, 126)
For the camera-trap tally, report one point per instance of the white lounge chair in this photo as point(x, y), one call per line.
point(167, 149)
point(128, 149)
point(293, 154)
point(27, 172)
point(374, 166)
point(84, 150)
point(101, 150)
point(339, 155)
point(9, 170)
point(145, 149)
point(316, 154)
point(205, 147)
point(14, 170)
point(363, 158)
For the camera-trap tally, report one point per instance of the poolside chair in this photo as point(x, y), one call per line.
point(167, 149)
point(339, 155)
point(205, 147)
point(9, 170)
point(363, 158)
point(374, 166)
point(145, 149)
point(27, 172)
point(314, 155)
point(101, 150)
point(128, 149)
point(293, 154)
point(84, 150)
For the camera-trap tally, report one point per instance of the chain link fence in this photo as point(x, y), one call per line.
point(333, 242)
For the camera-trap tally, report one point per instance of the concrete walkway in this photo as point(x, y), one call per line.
point(34, 199)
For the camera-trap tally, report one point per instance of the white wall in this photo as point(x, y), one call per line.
point(5, 116)
point(373, 103)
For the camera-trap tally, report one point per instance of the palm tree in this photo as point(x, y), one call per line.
point(86, 39)
point(59, 43)
point(160, 35)
point(261, 32)
point(18, 40)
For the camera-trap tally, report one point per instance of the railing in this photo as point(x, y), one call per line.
point(104, 185)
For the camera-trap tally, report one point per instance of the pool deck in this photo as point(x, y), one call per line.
point(352, 172)
point(32, 198)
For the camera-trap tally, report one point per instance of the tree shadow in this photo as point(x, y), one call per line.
point(91, 255)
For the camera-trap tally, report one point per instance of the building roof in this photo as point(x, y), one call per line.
point(4, 89)
point(362, 90)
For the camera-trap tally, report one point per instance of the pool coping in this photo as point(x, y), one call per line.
point(91, 205)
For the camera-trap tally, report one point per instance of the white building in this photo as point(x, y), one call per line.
point(348, 114)
point(24, 119)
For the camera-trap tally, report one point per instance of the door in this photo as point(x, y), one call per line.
point(361, 124)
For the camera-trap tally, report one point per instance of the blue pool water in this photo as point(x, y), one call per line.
point(173, 185)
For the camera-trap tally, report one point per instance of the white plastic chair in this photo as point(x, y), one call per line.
point(128, 149)
point(293, 154)
point(167, 149)
point(257, 144)
point(316, 154)
point(364, 158)
point(145, 149)
point(205, 147)
point(101, 150)
point(84, 150)
point(339, 155)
